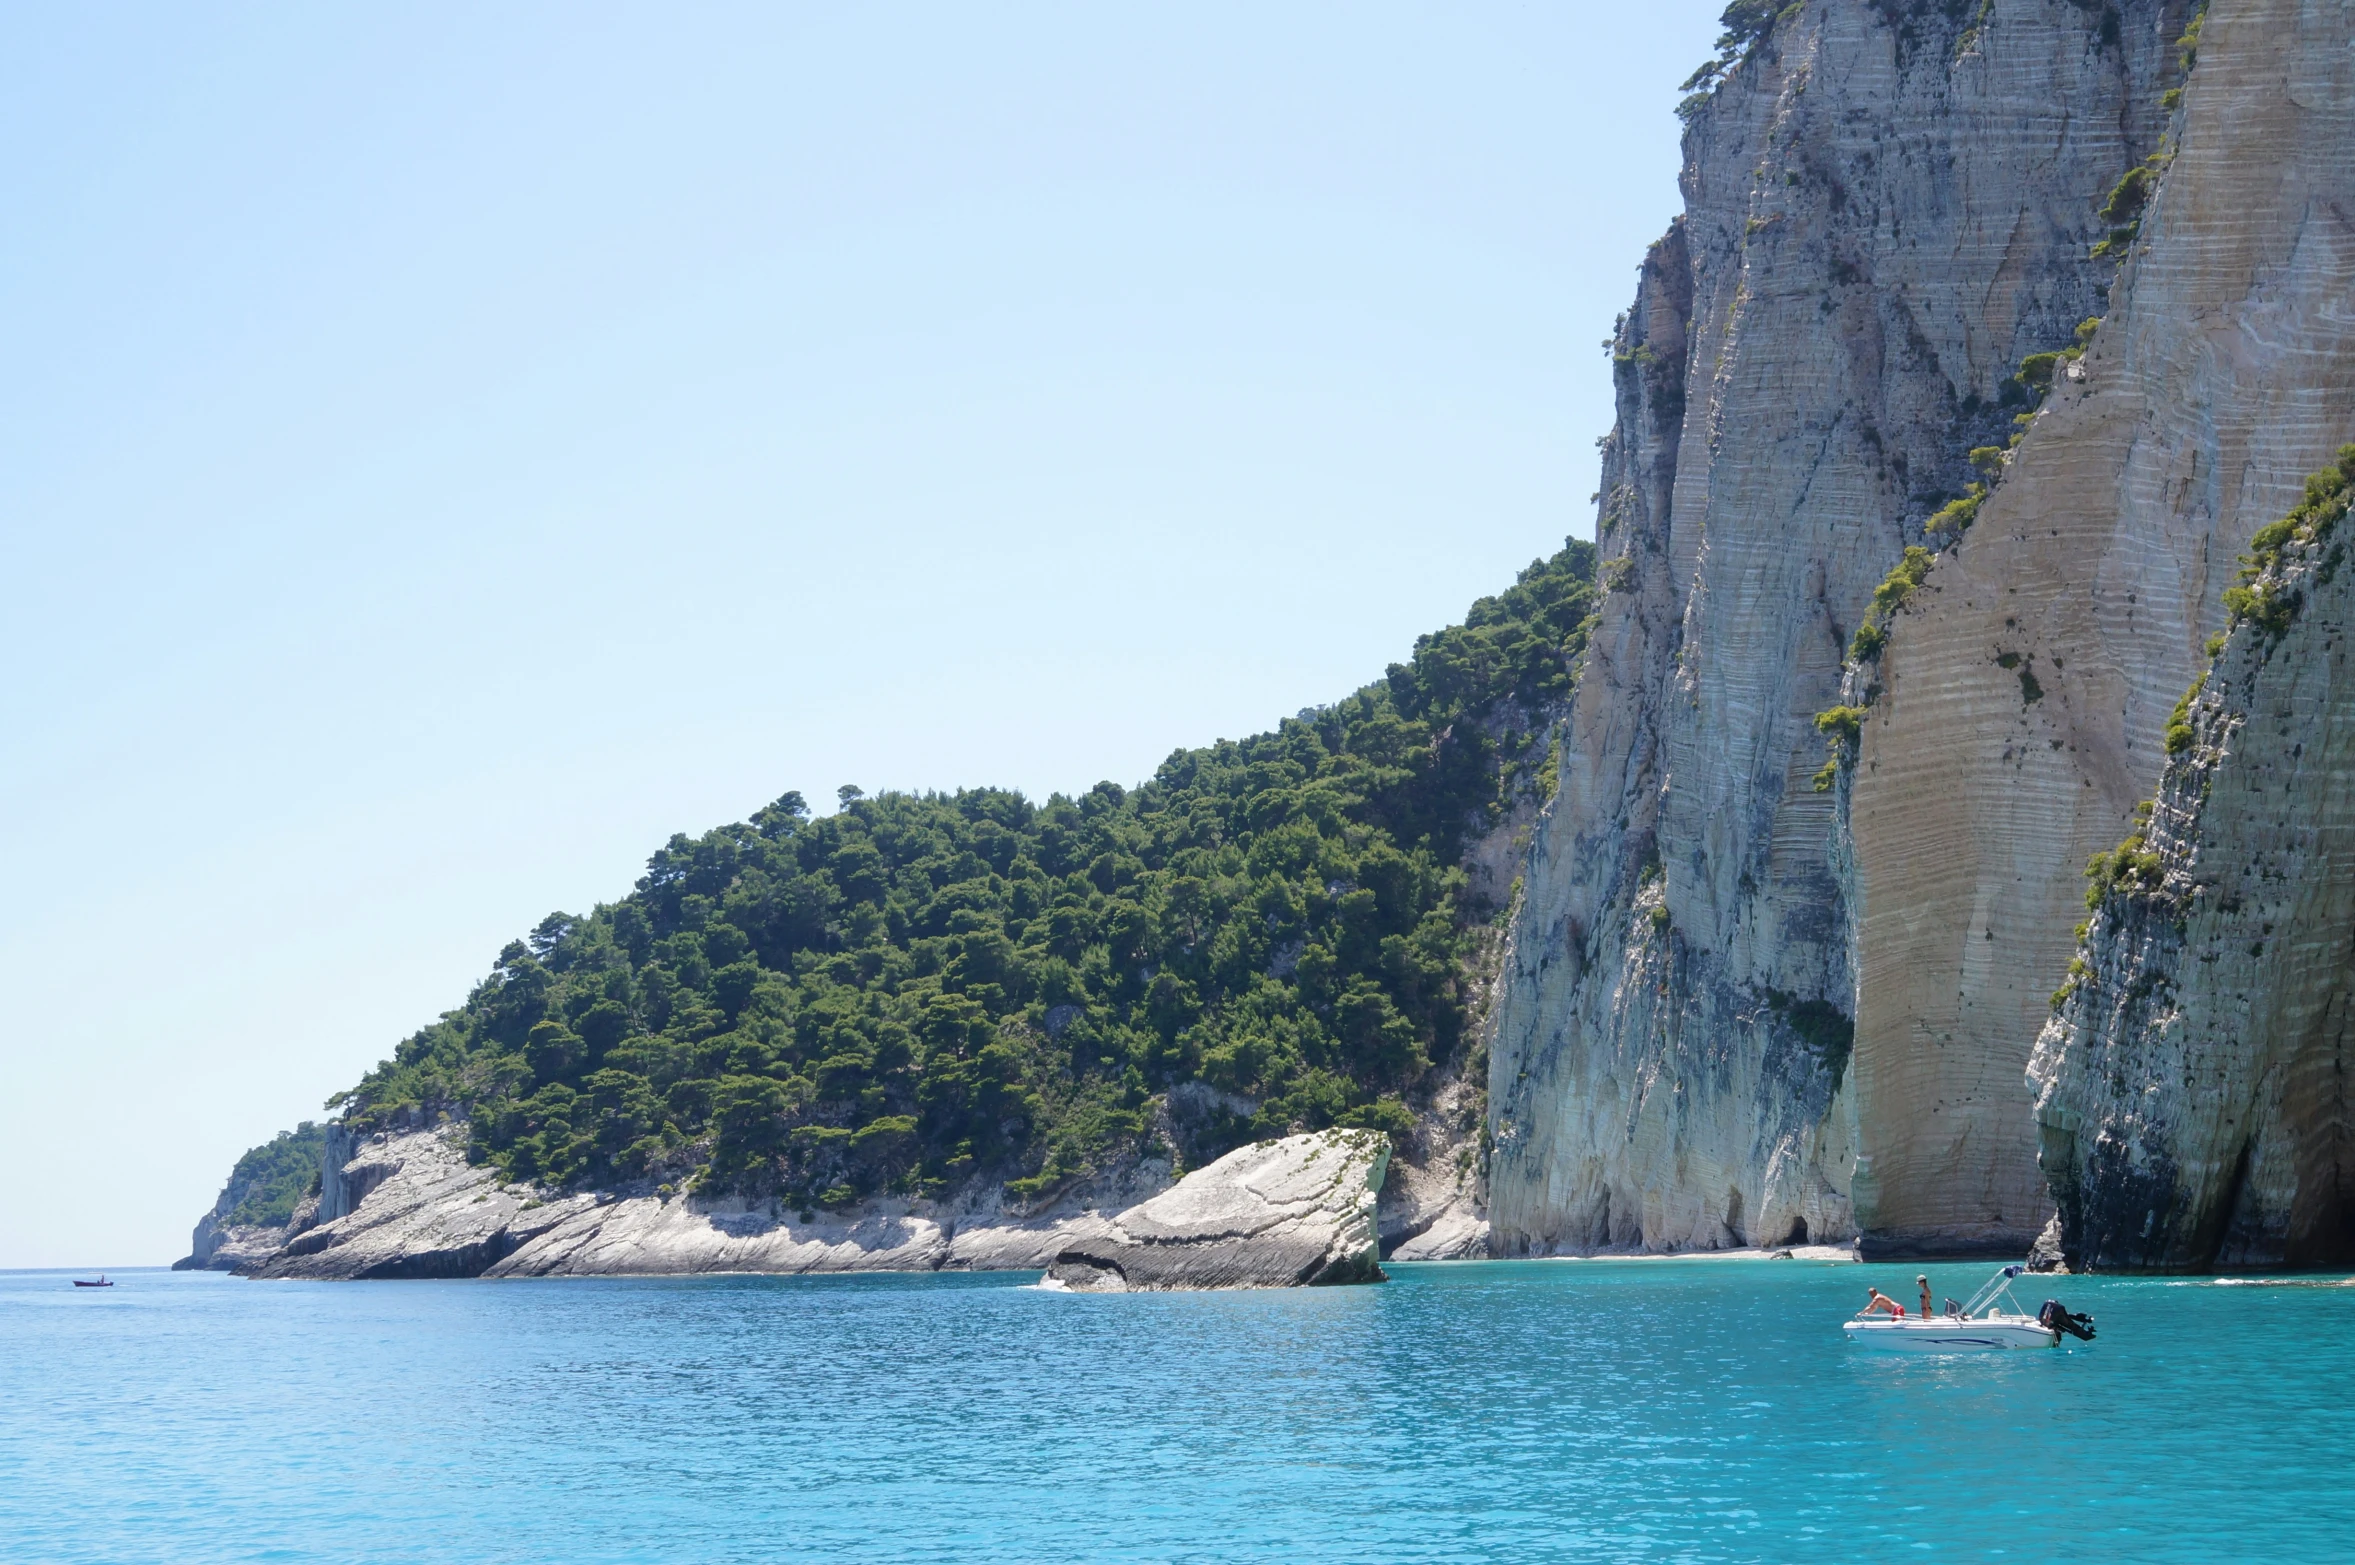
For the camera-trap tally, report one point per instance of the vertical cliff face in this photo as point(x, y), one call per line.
point(1886, 208)
point(2193, 1093)
point(2027, 691)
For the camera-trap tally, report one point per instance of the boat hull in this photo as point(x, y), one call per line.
point(1949, 1335)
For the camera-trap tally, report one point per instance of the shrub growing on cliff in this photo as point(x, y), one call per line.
point(1954, 518)
point(2129, 869)
point(2122, 211)
point(2265, 605)
point(1906, 575)
point(2127, 196)
point(1822, 1026)
point(1840, 724)
point(2179, 730)
point(923, 988)
point(2266, 602)
point(1745, 25)
point(1842, 728)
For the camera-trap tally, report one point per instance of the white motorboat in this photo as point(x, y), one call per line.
point(1948, 1334)
point(1977, 1327)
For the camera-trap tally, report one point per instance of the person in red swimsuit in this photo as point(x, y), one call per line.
point(1880, 1302)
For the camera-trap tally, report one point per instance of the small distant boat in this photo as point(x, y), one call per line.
point(102, 1282)
point(1977, 1327)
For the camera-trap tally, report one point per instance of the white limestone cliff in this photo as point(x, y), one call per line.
point(2193, 1100)
point(1882, 217)
point(2028, 687)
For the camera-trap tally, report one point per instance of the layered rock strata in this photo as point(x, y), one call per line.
point(2027, 689)
point(1884, 214)
point(1278, 1214)
point(2193, 1099)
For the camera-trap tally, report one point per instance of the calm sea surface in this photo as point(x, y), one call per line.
point(1673, 1410)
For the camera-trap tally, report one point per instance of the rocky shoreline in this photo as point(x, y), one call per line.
point(1305, 1208)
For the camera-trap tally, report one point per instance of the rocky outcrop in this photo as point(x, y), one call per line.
point(1433, 1203)
point(1431, 1212)
point(227, 1247)
point(2193, 1100)
point(1283, 1212)
point(414, 1207)
point(2045, 1254)
point(341, 1188)
point(1278, 1214)
point(221, 1243)
point(410, 1206)
point(1886, 209)
point(2028, 690)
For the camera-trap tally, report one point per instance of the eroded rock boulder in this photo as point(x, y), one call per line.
point(1277, 1214)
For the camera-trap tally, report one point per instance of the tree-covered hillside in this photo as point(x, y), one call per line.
point(270, 1181)
point(923, 988)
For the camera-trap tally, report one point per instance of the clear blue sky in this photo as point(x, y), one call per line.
point(445, 450)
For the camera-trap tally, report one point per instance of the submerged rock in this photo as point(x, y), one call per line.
point(1278, 1214)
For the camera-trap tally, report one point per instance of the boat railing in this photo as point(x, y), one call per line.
point(1998, 1287)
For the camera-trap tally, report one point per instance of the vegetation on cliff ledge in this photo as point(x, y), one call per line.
point(1747, 24)
point(922, 988)
point(2259, 595)
point(2262, 598)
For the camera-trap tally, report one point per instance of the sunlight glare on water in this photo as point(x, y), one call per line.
point(1685, 1410)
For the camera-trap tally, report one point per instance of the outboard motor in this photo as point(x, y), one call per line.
point(2056, 1317)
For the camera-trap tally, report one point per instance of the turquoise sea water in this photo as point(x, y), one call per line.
point(1672, 1410)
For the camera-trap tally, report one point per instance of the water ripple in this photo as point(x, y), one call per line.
point(1695, 1411)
